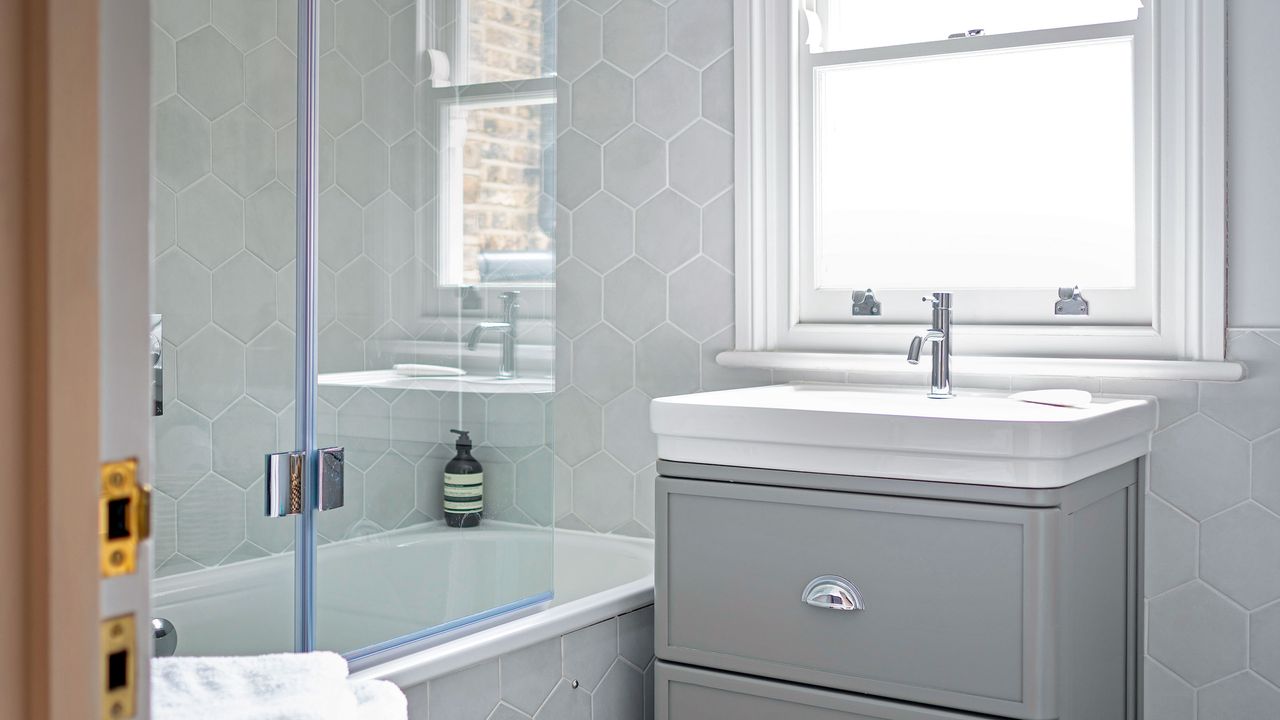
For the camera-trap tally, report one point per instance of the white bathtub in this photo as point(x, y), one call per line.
point(395, 584)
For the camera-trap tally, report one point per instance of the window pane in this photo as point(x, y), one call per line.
point(507, 221)
point(506, 40)
point(850, 24)
point(1002, 169)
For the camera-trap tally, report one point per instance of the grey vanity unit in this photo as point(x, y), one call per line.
point(820, 595)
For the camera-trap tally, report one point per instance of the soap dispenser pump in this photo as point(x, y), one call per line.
point(463, 486)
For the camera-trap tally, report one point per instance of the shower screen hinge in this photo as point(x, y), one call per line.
point(1070, 302)
point(285, 472)
point(332, 481)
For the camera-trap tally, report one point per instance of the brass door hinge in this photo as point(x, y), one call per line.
point(119, 668)
point(124, 517)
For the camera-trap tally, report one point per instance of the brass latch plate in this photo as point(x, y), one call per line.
point(124, 517)
point(119, 668)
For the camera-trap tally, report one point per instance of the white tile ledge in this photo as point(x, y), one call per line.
point(1216, 371)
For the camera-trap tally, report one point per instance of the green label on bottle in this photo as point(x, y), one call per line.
point(463, 493)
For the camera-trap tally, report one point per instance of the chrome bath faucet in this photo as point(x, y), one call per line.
point(508, 327)
point(940, 336)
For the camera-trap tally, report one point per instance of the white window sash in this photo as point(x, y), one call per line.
point(1187, 199)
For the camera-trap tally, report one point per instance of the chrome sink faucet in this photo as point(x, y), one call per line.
point(508, 327)
point(940, 336)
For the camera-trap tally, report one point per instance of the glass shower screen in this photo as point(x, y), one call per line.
point(426, 290)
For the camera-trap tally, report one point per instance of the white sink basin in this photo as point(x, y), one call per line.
point(975, 438)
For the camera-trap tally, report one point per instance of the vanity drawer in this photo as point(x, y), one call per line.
point(684, 693)
point(959, 608)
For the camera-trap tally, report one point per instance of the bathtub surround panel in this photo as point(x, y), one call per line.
point(600, 672)
point(1214, 453)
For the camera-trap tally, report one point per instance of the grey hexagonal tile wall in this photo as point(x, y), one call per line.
point(210, 72)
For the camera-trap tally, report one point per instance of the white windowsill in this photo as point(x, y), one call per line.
point(1216, 371)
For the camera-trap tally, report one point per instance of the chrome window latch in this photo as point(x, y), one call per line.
point(865, 303)
point(286, 472)
point(1070, 302)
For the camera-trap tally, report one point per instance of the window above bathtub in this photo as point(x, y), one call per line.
point(1007, 151)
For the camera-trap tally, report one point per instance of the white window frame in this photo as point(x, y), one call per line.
point(1186, 337)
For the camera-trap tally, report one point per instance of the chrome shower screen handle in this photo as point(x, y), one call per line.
point(832, 592)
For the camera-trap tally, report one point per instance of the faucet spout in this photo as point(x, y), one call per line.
point(473, 337)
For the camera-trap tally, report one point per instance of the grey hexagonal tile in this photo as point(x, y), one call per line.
point(287, 156)
point(269, 366)
point(271, 83)
point(179, 17)
point(246, 23)
point(667, 363)
point(633, 34)
point(577, 426)
point(566, 702)
point(403, 45)
point(589, 652)
point(1196, 633)
point(210, 520)
point(467, 695)
point(415, 424)
point(210, 222)
point(578, 169)
point(388, 232)
point(181, 144)
point(413, 297)
point(1247, 406)
point(701, 162)
point(626, 430)
point(578, 33)
point(210, 72)
point(1266, 472)
point(182, 294)
point(717, 235)
point(602, 102)
point(645, 507)
point(667, 97)
point(244, 296)
point(1242, 696)
point(1264, 642)
point(339, 350)
point(362, 164)
point(164, 526)
point(635, 298)
point(340, 94)
point(620, 695)
point(1231, 547)
point(635, 636)
point(413, 170)
point(515, 423)
point(1200, 467)
point(717, 93)
point(364, 427)
point(341, 230)
point(701, 298)
point(635, 165)
point(164, 65)
point(535, 486)
point(184, 448)
point(388, 103)
point(699, 31)
point(602, 232)
point(1165, 695)
point(361, 34)
point(578, 298)
point(529, 675)
point(269, 225)
point(210, 371)
point(364, 297)
point(242, 437)
point(667, 229)
point(243, 151)
point(164, 218)
point(388, 490)
point(430, 473)
point(603, 363)
point(602, 491)
point(1171, 546)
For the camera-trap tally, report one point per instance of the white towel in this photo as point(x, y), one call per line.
point(302, 686)
point(379, 700)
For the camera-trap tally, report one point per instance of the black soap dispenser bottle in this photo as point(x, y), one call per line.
point(463, 486)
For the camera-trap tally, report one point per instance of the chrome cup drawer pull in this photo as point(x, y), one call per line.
point(833, 593)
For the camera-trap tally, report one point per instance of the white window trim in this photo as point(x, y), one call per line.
point(1186, 341)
